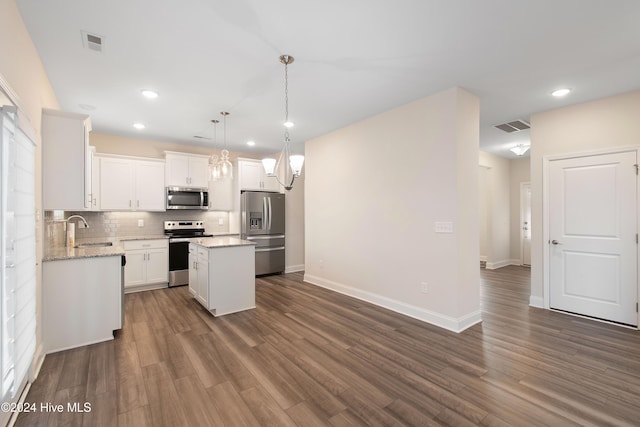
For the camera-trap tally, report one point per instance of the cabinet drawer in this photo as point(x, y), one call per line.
point(202, 252)
point(132, 245)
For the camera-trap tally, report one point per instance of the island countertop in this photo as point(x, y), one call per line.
point(220, 242)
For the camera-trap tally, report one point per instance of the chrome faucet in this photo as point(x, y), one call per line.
point(86, 224)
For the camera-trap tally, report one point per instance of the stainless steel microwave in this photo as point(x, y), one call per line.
point(187, 198)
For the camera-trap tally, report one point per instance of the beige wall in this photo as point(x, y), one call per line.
point(373, 192)
point(22, 70)
point(603, 124)
point(497, 216)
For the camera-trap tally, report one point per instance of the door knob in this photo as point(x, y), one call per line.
point(555, 242)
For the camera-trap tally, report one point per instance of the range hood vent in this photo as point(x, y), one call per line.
point(514, 126)
point(92, 41)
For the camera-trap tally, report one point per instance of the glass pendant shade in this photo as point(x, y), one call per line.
point(296, 161)
point(269, 165)
point(226, 167)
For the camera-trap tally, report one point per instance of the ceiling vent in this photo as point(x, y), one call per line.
point(92, 41)
point(514, 126)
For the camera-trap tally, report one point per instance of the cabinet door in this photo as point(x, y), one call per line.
point(95, 182)
point(135, 270)
point(66, 179)
point(202, 294)
point(177, 171)
point(157, 265)
point(269, 183)
point(193, 273)
point(149, 186)
point(221, 195)
point(250, 175)
point(116, 190)
point(198, 172)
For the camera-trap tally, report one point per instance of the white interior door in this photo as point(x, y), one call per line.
point(525, 222)
point(592, 236)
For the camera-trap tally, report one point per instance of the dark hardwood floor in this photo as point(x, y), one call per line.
point(307, 356)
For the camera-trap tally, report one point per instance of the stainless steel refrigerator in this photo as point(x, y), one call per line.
point(262, 221)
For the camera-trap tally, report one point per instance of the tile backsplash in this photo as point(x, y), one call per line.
point(121, 224)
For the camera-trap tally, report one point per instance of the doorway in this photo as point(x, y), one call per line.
point(592, 236)
point(525, 224)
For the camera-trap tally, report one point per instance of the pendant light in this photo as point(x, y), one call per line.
point(293, 163)
point(215, 164)
point(226, 168)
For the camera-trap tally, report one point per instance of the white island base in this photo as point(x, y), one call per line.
point(222, 274)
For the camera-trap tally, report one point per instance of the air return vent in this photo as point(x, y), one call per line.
point(513, 126)
point(92, 41)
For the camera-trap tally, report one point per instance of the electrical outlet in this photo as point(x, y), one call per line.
point(220, 221)
point(443, 227)
point(424, 288)
point(141, 223)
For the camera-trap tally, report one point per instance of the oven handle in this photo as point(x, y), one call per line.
point(180, 239)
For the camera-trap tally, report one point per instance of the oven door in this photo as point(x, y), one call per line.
point(178, 262)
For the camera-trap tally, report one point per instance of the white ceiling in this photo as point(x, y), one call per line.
point(353, 59)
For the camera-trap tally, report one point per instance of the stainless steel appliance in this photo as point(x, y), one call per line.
point(180, 232)
point(262, 221)
point(187, 198)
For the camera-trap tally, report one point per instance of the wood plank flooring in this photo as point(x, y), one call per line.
point(310, 357)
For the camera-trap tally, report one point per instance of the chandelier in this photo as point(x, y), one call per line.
point(292, 167)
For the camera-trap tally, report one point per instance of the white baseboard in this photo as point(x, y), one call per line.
point(535, 301)
point(503, 263)
point(293, 268)
point(452, 324)
point(36, 364)
point(483, 258)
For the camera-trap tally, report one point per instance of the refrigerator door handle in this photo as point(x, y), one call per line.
point(269, 213)
point(265, 213)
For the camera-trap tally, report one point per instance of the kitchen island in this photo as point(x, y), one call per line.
point(222, 274)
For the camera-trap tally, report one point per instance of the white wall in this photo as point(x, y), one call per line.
point(498, 218)
point(373, 192)
point(606, 123)
point(21, 68)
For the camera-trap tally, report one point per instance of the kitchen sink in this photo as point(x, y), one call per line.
point(93, 245)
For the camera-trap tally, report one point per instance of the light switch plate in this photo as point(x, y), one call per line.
point(443, 227)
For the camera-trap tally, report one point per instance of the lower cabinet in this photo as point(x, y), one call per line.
point(147, 264)
point(199, 274)
point(81, 301)
point(222, 279)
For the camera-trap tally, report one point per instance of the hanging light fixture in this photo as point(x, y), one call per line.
point(520, 149)
point(226, 168)
point(293, 167)
point(215, 164)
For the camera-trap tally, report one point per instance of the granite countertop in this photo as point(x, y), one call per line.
point(58, 253)
point(221, 242)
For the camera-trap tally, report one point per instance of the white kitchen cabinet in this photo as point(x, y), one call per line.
point(131, 184)
point(186, 170)
point(221, 195)
point(95, 180)
point(147, 264)
point(66, 170)
point(199, 274)
point(81, 301)
point(251, 176)
point(224, 276)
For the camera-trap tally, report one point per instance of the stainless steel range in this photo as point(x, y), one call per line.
point(180, 232)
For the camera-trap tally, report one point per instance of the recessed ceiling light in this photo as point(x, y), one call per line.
point(147, 93)
point(139, 126)
point(288, 124)
point(251, 143)
point(520, 149)
point(558, 93)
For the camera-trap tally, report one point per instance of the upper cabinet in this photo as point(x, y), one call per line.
point(251, 176)
point(66, 161)
point(131, 184)
point(186, 170)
